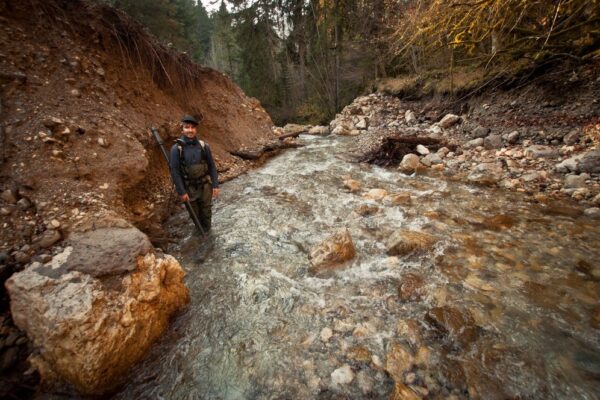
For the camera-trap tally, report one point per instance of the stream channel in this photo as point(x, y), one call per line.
point(504, 305)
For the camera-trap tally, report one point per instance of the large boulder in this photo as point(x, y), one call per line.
point(584, 162)
point(93, 311)
point(332, 253)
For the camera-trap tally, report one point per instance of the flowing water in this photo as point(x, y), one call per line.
point(505, 305)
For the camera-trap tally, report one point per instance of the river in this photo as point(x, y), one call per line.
point(504, 305)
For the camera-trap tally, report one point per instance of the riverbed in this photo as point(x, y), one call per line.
point(504, 304)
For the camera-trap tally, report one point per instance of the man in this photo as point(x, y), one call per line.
point(194, 172)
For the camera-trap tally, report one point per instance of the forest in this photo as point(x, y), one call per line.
point(306, 59)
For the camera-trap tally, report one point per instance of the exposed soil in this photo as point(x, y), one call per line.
point(80, 87)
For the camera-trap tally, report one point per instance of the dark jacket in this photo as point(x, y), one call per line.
point(193, 154)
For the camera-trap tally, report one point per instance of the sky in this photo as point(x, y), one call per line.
point(211, 5)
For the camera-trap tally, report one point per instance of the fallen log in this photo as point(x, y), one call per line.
point(272, 147)
point(293, 134)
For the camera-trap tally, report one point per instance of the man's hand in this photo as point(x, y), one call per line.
point(185, 197)
point(216, 192)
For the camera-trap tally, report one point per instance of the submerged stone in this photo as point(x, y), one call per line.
point(332, 253)
point(404, 242)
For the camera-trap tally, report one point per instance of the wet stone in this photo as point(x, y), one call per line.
point(409, 163)
point(366, 210)
point(352, 185)
point(410, 288)
point(453, 322)
point(403, 392)
point(326, 334)
point(398, 360)
point(365, 382)
point(404, 242)
point(332, 253)
point(359, 354)
point(342, 376)
point(400, 199)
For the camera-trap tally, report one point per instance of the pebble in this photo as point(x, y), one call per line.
point(593, 212)
point(9, 196)
point(24, 203)
point(410, 378)
point(342, 376)
point(326, 334)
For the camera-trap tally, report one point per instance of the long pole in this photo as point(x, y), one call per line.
point(187, 204)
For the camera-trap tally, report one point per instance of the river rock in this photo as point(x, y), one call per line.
point(319, 130)
point(398, 360)
point(24, 203)
point(540, 151)
point(291, 129)
point(91, 331)
point(366, 209)
point(409, 330)
point(443, 152)
point(411, 287)
point(480, 132)
point(572, 137)
point(361, 124)
point(590, 162)
point(341, 130)
point(454, 323)
point(376, 194)
point(449, 120)
point(49, 238)
point(326, 334)
point(492, 142)
point(410, 118)
point(592, 212)
point(22, 257)
point(403, 392)
point(399, 199)
point(332, 253)
point(409, 163)
point(403, 242)
point(471, 144)
point(486, 173)
point(431, 159)
point(575, 181)
point(342, 376)
point(422, 150)
point(352, 185)
point(569, 165)
point(365, 382)
point(513, 137)
point(9, 196)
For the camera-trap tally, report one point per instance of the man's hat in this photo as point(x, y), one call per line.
point(188, 119)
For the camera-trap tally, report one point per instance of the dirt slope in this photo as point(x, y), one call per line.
point(80, 87)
